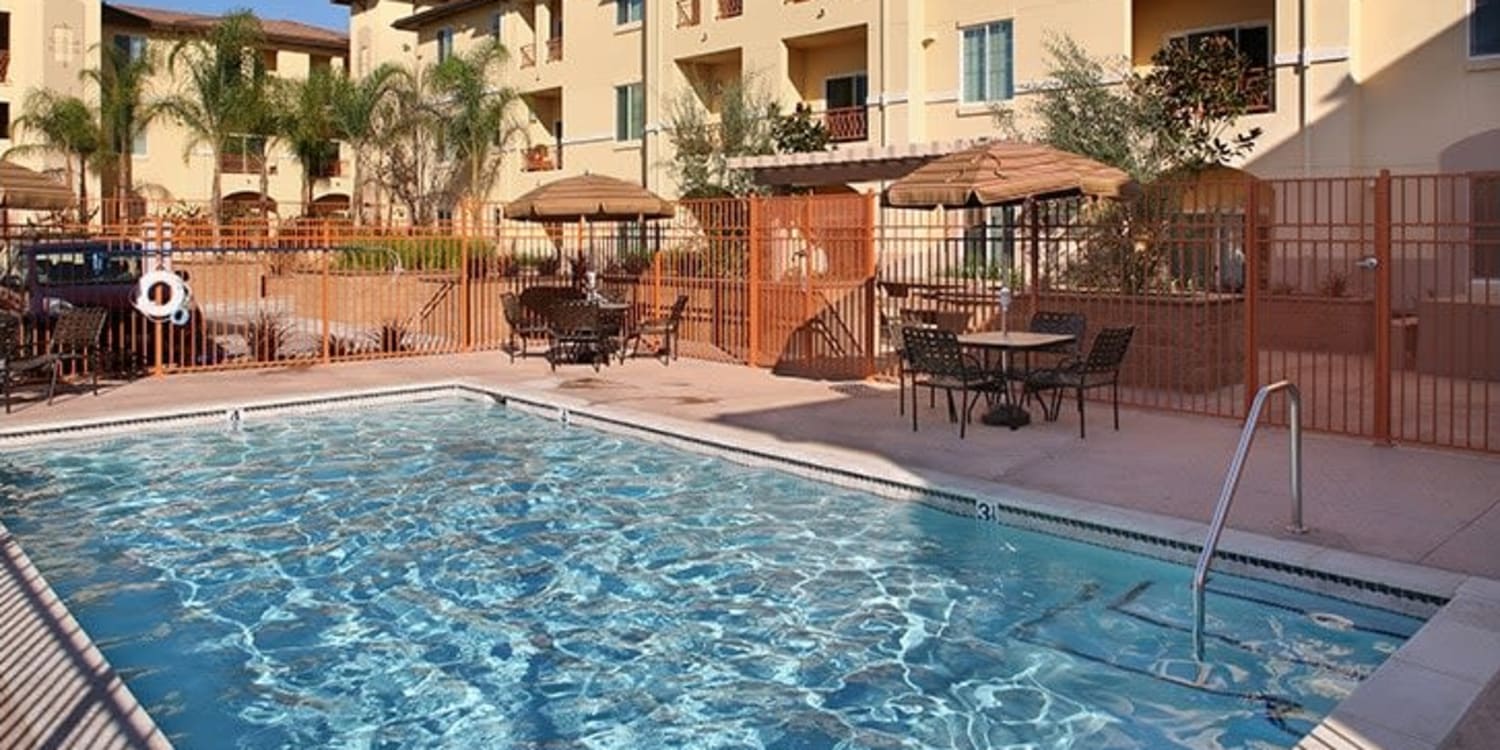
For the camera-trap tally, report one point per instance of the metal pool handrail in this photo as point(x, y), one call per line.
point(1232, 482)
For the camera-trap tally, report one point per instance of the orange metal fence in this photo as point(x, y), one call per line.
point(1379, 296)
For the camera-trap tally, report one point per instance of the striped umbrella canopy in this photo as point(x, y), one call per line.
point(23, 188)
point(589, 196)
point(1003, 172)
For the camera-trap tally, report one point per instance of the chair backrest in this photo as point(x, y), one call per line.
point(1072, 324)
point(78, 329)
point(538, 299)
point(679, 308)
point(933, 351)
point(511, 304)
point(1109, 349)
point(573, 318)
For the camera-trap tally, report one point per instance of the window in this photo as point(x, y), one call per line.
point(988, 57)
point(268, 60)
point(138, 144)
point(497, 25)
point(1484, 192)
point(319, 62)
point(630, 112)
point(1254, 42)
point(444, 43)
point(4, 119)
point(1484, 28)
point(131, 47)
point(627, 11)
point(989, 245)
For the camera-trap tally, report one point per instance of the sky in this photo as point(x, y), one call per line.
point(315, 12)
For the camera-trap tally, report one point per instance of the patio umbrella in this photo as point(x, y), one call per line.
point(1002, 172)
point(23, 188)
point(590, 197)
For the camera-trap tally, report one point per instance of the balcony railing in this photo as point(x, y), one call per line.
point(231, 163)
point(4, 65)
point(554, 49)
point(847, 124)
point(689, 12)
point(528, 55)
point(539, 159)
point(731, 8)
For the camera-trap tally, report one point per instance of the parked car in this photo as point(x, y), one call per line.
point(53, 275)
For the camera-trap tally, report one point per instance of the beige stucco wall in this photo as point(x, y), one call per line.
point(372, 40)
point(49, 46)
point(1375, 73)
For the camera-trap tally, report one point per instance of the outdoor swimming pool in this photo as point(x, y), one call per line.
point(463, 575)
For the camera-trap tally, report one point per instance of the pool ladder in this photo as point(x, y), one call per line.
point(1232, 482)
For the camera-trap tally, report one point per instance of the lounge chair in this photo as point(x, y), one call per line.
point(1099, 369)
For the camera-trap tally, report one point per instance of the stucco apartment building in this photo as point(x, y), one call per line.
point(47, 44)
point(1350, 86)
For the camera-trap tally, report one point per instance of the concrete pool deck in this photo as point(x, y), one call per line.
point(1417, 506)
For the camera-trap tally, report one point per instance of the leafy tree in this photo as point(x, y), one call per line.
point(223, 89)
point(747, 114)
point(799, 132)
point(411, 169)
point(358, 110)
point(63, 125)
point(124, 112)
point(1180, 115)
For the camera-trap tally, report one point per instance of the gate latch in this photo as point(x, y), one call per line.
point(1369, 263)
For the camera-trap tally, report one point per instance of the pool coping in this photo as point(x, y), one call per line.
point(1416, 699)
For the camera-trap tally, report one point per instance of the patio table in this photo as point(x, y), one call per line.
point(1008, 412)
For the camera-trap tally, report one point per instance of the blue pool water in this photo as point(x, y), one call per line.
point(457, 575)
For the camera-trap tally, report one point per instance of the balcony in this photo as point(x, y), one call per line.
point(539, 159)
point(328, 170)
point(689, 13)
point(731, 8)
point(4, 65)
point(528, 55)
point(232, 163)
point(554, 49)
point(846, 124)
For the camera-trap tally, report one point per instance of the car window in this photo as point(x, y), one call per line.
point(87, 267)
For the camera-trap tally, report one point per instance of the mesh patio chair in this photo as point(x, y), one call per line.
point(75, 338)
point(664, 328)
point(574, 334)
point(521, 326)
point(1051, 357)
point(1099, 369)
point(937, 361)
point(892, 330)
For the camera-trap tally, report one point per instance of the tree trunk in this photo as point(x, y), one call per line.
point(83, 190)
point(265, 180)
point(356, 192)
point(216, 198)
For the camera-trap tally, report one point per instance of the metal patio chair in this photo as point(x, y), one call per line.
point(521, 326)
point(574, 334)
point(664, 328)
point(1099, 369)
point(75, 338)
point(937, 361)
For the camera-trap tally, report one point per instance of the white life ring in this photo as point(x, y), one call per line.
point(177, 294)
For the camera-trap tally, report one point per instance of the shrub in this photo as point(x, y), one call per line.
point(266, 335)
point(390, 337)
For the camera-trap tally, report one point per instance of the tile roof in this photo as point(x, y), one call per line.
point(276, 30)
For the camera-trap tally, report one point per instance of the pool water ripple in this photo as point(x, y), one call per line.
point(447, 575)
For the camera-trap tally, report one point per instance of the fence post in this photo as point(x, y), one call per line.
point(1252, 290)
point(752, 306)
point(465, 338)
point(1383, 307)
point(323, 302)
point(872, 321)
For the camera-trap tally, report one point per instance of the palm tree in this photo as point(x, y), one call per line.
point(63, 125)
point(478, 123)
point(224, 81)
point(357, 110)
point(124, 113)
point(306, 124)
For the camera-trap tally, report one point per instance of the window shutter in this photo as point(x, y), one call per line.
point(622, 113)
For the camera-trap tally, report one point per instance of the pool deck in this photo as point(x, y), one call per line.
point(1410, 506)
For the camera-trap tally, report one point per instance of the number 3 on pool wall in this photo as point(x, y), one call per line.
point(986, 512)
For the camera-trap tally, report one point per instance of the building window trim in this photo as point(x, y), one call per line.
point(1008, 82)
point(1473, 35)
point(630, 125)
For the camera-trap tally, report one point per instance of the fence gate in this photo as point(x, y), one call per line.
point(812, 266)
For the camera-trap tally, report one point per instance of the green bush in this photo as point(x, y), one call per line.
point(410, 254)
